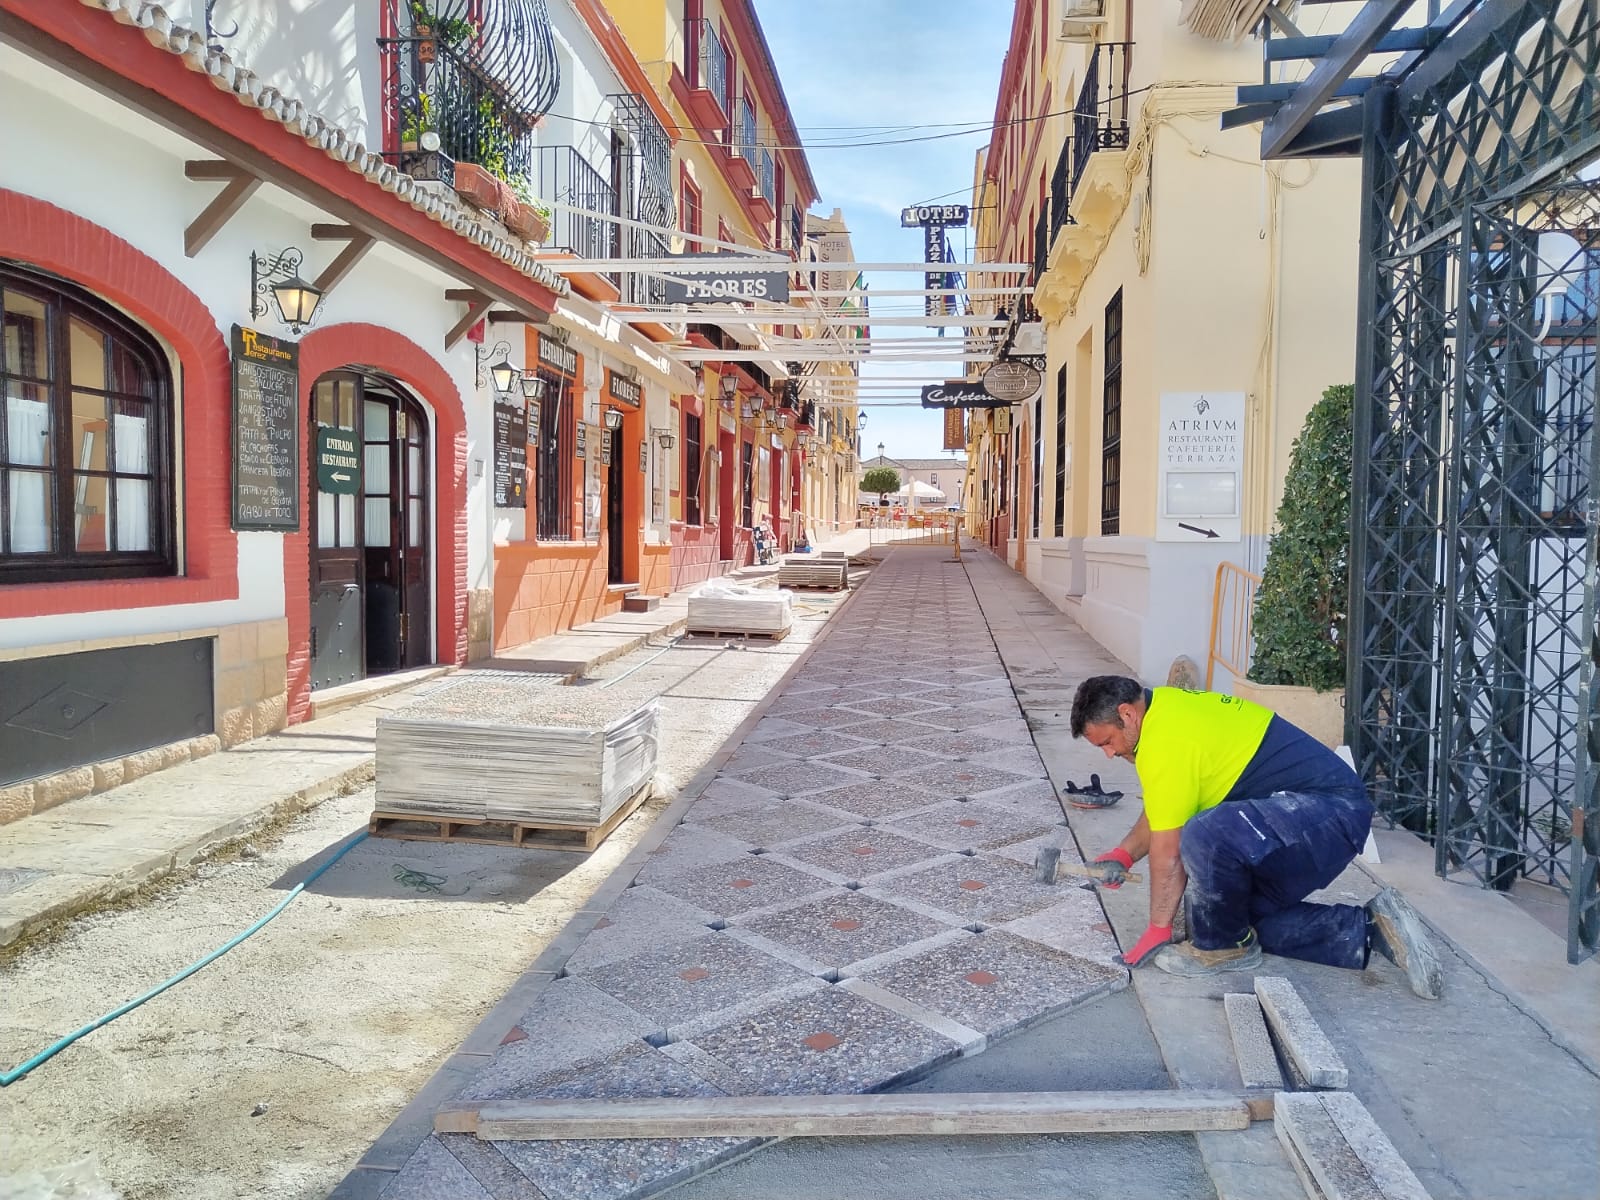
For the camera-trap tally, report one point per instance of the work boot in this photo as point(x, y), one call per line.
point(1395, 931)
point(1191, 962)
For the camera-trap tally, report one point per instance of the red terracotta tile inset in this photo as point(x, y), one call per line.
point(517, 1034)
point(981, 978)
point(863, 850)
point(1102, 927)
point(821, 1041)
point(847, 926)
point(694, 974)
point(964, 777)
point(967, 823)
point(743, 883)
point(972, 885)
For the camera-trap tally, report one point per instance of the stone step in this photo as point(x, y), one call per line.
point(639, 602)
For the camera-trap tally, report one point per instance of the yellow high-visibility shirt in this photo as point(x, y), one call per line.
point(1193, 747)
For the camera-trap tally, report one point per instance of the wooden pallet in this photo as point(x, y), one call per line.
point(537, 835)
point(739, 633)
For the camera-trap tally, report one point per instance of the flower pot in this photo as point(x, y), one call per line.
point(527, 223)
point(1321, 714)
point(477, 187)
point(427, 49)
point(409, 146)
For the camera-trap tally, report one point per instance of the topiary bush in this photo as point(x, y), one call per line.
point(1301, 602)
point(881, 480)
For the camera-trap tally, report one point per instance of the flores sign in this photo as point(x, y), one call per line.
point(721, 285)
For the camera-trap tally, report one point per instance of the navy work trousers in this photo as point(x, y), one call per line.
point(1254, 862)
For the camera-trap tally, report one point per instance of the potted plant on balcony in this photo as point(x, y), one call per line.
point(427, 26)
point(1298, 668)
point(418, 121)
point(529, 219)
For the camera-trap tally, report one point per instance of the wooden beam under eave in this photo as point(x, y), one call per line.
point(476, 308)
point(212, 169)
point(354, 251)
point(240, 186)
point(506, 316)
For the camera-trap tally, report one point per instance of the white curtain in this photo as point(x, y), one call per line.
point(133, 495)
point(28, 442)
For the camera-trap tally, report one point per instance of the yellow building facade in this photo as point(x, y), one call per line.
point(1193, 302)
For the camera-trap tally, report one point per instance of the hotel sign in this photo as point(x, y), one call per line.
point(934, 214)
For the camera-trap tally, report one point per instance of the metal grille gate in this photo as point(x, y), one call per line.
point(1476, 703)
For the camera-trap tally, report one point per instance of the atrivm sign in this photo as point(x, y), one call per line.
point(1201, 466)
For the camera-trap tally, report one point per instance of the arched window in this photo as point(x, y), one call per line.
point(85, 437)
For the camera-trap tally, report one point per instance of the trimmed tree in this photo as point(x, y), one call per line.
point(1301, 603)
point(881, 480)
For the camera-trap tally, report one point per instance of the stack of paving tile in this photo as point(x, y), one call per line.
point(503, 752)
point(805, 570)
point(722, 607)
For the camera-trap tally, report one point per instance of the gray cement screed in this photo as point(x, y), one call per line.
point(780, 941)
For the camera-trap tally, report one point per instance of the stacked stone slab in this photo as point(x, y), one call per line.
point(721, 607)
point(516, 750)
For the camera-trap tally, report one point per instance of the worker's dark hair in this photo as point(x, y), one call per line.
point(1098, 699)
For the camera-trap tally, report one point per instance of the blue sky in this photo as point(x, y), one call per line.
point(892, 63)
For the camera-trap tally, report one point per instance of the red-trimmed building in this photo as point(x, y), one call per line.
point(206, 514)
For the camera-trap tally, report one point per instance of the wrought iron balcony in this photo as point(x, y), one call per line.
point(742, 146)
point(1061, 188)
point(560, 173)
point(478, 73)
point(1042, 233)
point(1100, 117)
point(645, 172)
point(705, 68)
point(766, 187)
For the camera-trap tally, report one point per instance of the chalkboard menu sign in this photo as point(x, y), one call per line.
point(266, 432)
point(510, 453)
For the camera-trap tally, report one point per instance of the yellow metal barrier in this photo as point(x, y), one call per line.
point(1232, 609)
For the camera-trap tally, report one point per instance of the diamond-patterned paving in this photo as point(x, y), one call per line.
point(865, 767)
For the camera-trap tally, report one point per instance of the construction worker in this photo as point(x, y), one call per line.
point(1254, 815)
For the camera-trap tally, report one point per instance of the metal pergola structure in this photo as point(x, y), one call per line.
point(1474, 704)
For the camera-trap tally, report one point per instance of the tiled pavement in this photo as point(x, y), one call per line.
point(848, 904)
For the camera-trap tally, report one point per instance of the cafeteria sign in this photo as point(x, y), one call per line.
point(960, 393)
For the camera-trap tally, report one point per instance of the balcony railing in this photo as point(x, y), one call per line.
point(1042, 232)
point(560, 173)
point(1100, 117)
point(1061, 188)
point(744, 132)
point(765, 172)
point(706, 60)
point(478, 74)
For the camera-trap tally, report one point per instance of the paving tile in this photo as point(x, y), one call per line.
point(996, 983)
point(431, 1172)
point(1033, 795)
point(953, 779)
point(831, 1042)
point(875, 798)
point(726, 889)
point(779, 822)
point(610, 1168)
point(771, 729)
point(1021, 759)
point(728, 794)
point(797, 777)
point(892, 706)
point(964, 718)
point(640, 920)
point(956, 744)
point(753, 757)
point(823, 718)
point(811, 743)
point(979, 888)
point(690, 847)
point(977, 826)
point(888, 731)
point(843, 928)
point(569, 1023)
point(859, 853)
point(692, 981)
point(884, 760)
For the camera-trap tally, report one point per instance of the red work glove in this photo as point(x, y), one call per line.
point(1118, 863)
point(1154, 938)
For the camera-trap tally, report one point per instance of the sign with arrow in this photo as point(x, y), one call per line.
point(1201, 467)
point(338, 461)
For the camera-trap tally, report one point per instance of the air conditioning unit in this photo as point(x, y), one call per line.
point(1083, 20)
